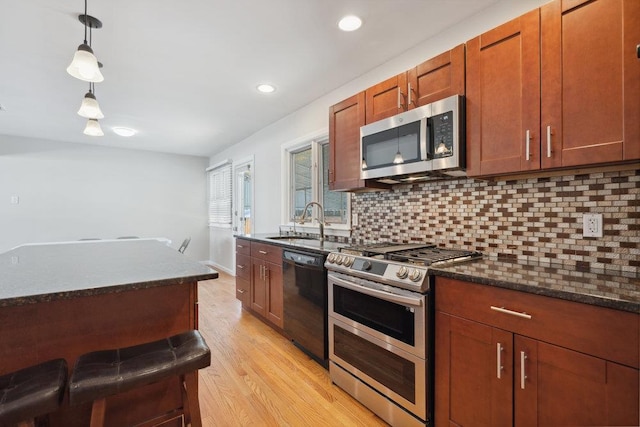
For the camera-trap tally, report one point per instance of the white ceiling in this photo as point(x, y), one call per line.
point(183, 73)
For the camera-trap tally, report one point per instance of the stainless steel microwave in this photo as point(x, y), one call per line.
point(425, 143)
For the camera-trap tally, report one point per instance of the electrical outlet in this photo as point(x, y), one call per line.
point(592, 225)
point(354, 219)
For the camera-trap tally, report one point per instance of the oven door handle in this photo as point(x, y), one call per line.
point(387, 296)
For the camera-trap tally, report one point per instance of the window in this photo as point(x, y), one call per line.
point(220, 183)
point(309, 182)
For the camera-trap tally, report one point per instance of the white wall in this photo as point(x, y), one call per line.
point(265, 144)
point(70, 191)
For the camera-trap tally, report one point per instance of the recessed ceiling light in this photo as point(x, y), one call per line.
point(122, 131)
point(350, 23)
point(265, 88)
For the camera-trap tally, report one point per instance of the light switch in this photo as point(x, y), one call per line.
point(15, 200)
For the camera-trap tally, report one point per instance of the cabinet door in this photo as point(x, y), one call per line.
point(437, 78)
point(503, 98)
point(258, 294)
point(345, 120)
point(563, 387)
point(386, 99)
point(590, 90)
point(473, 373)
point(275, 297)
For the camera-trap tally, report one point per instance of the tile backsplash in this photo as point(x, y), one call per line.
point(535, 219)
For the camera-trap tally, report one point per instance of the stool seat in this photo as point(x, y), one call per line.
point(107, 372)
point(32, 391)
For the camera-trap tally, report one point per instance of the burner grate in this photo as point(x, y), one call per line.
point(429, 256)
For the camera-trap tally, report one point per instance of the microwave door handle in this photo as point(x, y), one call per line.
point(387, 296)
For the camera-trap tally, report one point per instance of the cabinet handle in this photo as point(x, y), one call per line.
point(240, 291)
point(409, 96)
point(499, 350)
point(527, 143)
point(638, 51)
point(511, 312)
point(523, 377)
point(263, 252)
point(399, 101)
point(548, 141)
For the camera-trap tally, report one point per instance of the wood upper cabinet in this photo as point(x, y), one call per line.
point(557, 87)
point(437, 78)
point(386, 98)
point(345, 120)
point(503, 98)
point(590, 82)
point(496, 369)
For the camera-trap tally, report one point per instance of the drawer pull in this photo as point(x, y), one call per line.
point(511, 312)
point(241, 267)
point(523, 375)
point(263, 252)
point(240, 291)
point(239, 246)
point(499, 350)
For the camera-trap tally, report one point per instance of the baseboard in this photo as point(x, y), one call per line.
point(218, 267)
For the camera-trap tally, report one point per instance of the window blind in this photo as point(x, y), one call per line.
point(220, 184)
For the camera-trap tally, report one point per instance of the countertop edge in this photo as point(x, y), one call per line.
point(595, 300)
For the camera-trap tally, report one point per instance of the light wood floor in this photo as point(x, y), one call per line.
point(258, 378)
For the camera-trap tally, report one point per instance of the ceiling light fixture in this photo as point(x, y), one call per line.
point(89, 107)
point(84, 65)
point(350, 23)
point(123, 131)
point(93, 128)
point(266, 88)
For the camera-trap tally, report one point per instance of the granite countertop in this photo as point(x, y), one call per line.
point(601, 288)
point(291, 242)
point(45, 272)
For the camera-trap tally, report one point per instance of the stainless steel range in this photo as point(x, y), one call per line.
point(381, 326)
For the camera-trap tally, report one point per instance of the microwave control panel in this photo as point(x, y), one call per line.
point(442, 135)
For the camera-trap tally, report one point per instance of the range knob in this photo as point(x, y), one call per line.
point(366, 265)
point(415, 275)
point(402, 272)
point(331, 258)
point(348, 261)
point(339, 259)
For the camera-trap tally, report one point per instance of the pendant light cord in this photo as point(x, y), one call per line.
point(85, 21)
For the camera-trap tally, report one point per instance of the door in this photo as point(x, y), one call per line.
point(590, 82)
point(473, 375)
point(558, 386)
point(503, 98)
point(386, 99)
point(437, 78)
point(243, 201)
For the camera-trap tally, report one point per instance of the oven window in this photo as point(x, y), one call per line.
point(388, 318)
point(387, 368)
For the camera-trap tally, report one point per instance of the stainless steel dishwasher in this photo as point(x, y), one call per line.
point(305, 302)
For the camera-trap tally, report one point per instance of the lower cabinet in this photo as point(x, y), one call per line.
point(508, 358)
point(259, 281)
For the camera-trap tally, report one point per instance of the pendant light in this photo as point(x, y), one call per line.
point(398, 158)
point(84, 65)
point(93, 128)
point(89, 107)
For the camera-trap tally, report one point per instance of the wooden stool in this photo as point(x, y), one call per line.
point(100, 374)
point(32, 392)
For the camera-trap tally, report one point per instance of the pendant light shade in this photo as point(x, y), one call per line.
point(90, 108)
point(398, 159)
point(84, 65)
point(93, 128)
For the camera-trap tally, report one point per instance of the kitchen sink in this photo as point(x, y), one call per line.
point(292, 238)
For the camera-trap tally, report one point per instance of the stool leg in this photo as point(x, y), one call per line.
point(97, 412)
point(191, 405)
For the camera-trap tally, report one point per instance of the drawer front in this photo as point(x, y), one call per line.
point(266, 252)
point(602, 332)
point(242, 290)
point(243, 267)
point(243, 246)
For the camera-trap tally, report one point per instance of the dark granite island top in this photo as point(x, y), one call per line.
point(44, 272)
point(602, 288)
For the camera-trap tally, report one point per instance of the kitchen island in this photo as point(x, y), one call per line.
point(66, 299)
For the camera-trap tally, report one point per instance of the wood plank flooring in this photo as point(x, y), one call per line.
point(259, 378)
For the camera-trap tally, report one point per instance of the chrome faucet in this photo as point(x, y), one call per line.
point(320, 221)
